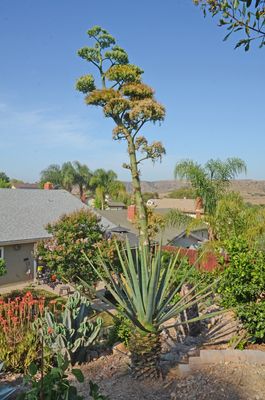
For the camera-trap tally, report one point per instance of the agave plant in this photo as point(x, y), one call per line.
point(146, 292)
point(73, 332)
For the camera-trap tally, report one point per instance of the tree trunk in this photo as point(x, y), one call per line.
point(139, 202)
point(145, 351)
point(81, 191)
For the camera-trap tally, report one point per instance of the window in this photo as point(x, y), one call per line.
point(1, 253)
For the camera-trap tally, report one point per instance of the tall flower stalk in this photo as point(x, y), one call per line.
point(128, 102)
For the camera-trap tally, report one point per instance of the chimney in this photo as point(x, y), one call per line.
point(131, 213)
point(48, 186)
point(198, 207)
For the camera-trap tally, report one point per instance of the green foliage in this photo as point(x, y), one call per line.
point(121, 330)
point(244, 280)
point(145, 288)
point(18, 358)
point(73, 235)
point(95, 392)
point(86, 84)
point(235, 218)
point(150, 195)
point(243, 17)
point(146, 294)
point(211, 181)
point(71, 333)
point(117, 192)
point(191, 273)
point(181, 193)
point(4, 177)
point(67, 176)
point(242, 285)
point(4, 184)
point(105, 183)
point(52, 174)
point(253, 316)
point(55, 384)
point(2, 267)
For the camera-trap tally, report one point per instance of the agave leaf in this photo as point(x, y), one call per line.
point(125, 270)
point(6, 392)
point(200, 318)
point(179, 307)
point(155, 272)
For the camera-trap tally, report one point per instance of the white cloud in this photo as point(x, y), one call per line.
point(42, 128)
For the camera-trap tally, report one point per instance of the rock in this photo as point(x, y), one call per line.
point(120, 348)
point(169, 357)
point(93, 354)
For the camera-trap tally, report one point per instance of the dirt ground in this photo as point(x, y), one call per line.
point(219, 382)
point(223, 381)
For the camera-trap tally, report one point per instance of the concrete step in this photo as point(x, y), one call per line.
point(222, 356)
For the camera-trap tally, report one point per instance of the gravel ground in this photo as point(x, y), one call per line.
point(223, 381)
point(219, 382)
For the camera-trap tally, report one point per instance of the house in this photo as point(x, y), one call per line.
point(193, 240)
point(191, 207)
point(22, 185)
point(168, 236)
point(115, 205)
point(24, 214)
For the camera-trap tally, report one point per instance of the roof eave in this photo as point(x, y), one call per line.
point(23, 241)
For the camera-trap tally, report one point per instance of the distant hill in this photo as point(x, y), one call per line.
point(251, 190)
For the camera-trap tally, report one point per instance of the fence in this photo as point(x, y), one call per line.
point(208, 261)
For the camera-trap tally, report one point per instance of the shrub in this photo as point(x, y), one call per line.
point(74, 235)
point(253, 318)
point(55, 384)
point(121, 330)
point(242, 285)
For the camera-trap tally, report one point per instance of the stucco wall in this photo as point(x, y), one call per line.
point(17, 264)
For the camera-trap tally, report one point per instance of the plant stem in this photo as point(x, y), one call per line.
point(42, 368)
point(141, 210)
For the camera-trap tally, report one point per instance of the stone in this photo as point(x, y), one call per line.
point(119, 348)
point(169, 357)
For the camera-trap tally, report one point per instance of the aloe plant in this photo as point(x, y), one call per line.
point(146, 291)
point(73, 332)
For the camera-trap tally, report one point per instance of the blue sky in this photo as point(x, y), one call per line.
point(214, 95)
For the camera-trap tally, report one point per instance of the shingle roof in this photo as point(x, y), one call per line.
point(24, 213)
point(119, 217)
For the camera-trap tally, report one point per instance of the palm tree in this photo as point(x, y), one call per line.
point(117, 191)
point(82, 177)
point(67, 176)
point(101, 182)
point(52, 174)
point(212, 180)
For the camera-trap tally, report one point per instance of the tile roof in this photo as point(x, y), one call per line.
point(24, 213)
